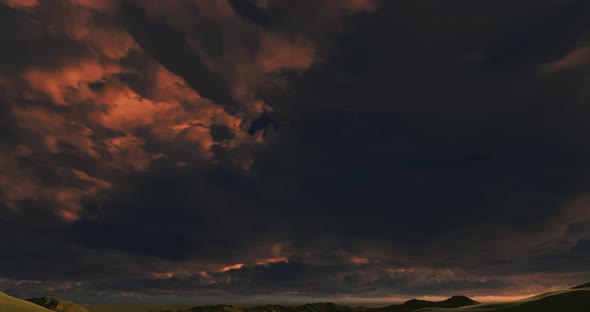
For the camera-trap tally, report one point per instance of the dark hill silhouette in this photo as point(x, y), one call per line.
point(270, 308)
point(310, 307)
point(568, 300)
point(587, 285)
point(215, 308)
point(408, 306)
point(323, 307)
point(416, 304)
point(575, 299)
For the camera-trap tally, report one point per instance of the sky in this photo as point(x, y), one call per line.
point(293, 150)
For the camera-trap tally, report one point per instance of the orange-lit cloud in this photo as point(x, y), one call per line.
point(269, 261)
point(128, 153)
point(53, 128)
point(232, 267)
point(75, 114)
point(278, 52)
point(359, 5)
point(69, 81)
point(572, 60)
point(278, 255)
point(174, 113)
point(18, 185)
point(162, 275)
point(20, 3)
point(359, 260)
point(100, 5)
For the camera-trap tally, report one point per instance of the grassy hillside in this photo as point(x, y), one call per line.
point(11, 304)
point(56, 304)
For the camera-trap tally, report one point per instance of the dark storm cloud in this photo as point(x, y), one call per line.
point(249, 10)
point(221, 132)
point(465, 150)
point(171, 50)
point(540, 39)
point(323, 149)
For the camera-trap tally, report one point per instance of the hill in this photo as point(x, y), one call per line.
point(576, 299)
point(323, 307)
point(269, 308)
point(310, 307)
point(415, 304)
point(408, 306)
point(587, 285)
point(569, 300)
point(215, 308)
point(11, 304)
point(56, 304)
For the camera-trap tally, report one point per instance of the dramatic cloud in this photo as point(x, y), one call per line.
point(293, 150)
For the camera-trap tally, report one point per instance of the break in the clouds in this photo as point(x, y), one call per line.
point(293, 149)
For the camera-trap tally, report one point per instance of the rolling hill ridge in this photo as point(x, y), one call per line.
point(56, 304)
point(11, 304)
point(416, 304)
point(575, 299)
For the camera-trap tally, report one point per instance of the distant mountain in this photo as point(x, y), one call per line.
point(11, 304)
point(56, 304)
point(415, 304)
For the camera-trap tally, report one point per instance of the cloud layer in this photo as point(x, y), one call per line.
point(293, 150)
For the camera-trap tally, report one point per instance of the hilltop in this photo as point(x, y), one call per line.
point(11, 304)
point(56, 304)
point(587, 285)
point(323, 307)
point(215, 308)
point(416, 304)
point(269, 308)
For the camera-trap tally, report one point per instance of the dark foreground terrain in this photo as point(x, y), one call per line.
point(576, 299)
